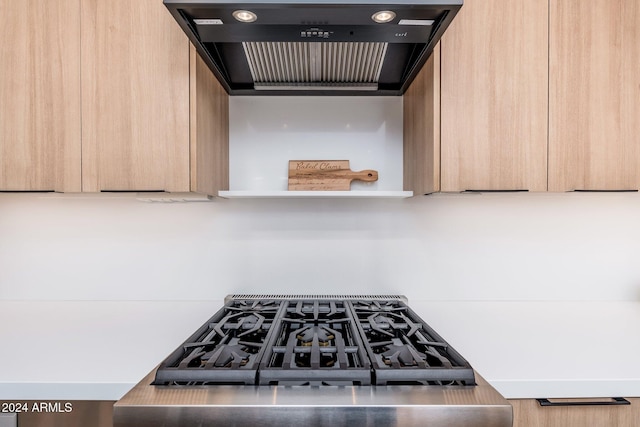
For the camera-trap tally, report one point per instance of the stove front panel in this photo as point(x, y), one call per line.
point(274, 406)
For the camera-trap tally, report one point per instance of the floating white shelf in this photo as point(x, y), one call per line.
point(316, 194)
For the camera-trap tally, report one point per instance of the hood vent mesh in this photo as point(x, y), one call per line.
point(282, 65)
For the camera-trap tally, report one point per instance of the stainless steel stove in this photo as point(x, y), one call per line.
point(314, 359)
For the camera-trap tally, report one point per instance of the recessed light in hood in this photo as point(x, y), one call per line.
point(383, 16)
point(244, 16)
point(315, 47)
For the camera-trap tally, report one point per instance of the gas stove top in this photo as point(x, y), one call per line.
point(335, 360)
point(315, 341)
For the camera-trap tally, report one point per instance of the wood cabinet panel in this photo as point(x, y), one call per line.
point(494, 97)
point(84, 413)
point(594, 91)
point(528, 413)
point(209, 130)
point(135, 97)
point(421, 129)
point(40, 95)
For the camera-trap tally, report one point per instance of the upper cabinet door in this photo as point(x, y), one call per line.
point(135, 97)
point(494, 102)
point(209, 130)
point(421, 129)
point(594, 91)
point(40, 95)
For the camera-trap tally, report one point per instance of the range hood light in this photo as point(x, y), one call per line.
point(383, 16)
point(244, 15)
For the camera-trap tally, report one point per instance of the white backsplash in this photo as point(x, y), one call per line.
point(440, 247)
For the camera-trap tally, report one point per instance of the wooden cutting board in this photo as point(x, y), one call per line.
point(325, 175)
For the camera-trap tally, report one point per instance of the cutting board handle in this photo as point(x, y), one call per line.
point(367, 175)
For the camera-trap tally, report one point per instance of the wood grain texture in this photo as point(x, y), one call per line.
point(594, 90)
point(85, 413)
point(494, 102)
point(325, 175)
point(209, 130)
point(40, 95)
point(135, 97)
point(528, 413)
point(421, 129)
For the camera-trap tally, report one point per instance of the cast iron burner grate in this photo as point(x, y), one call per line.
point(315, 343)
point(225, 350)
point(323, 341)
point(403, 349)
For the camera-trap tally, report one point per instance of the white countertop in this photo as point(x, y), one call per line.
point(545, 349)
point(98, 350)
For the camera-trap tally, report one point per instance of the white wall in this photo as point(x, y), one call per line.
point(266, 132)
point(439, 247)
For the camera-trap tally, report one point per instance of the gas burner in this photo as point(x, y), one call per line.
point(226, 356)
point(227, 349)
point(405, 350)
point(322, 334)
point(316, 347)
point(304, 359)
point(399, 355)
point(315, 342)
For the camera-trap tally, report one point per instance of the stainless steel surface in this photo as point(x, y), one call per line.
point(315, 62)
point(379, 297)
point(452, 406)
point(8, 420)
point(317, 86)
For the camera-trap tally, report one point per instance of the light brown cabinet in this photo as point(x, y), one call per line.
point(494, 74)
point(107, 95)
point(594, 95)
point(421, 129)
point(40, 144)
point(135, 97)
point(528, 413)
point(537, 95)
point(209, 122)
point(99, 95)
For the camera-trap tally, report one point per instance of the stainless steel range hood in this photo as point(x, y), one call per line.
point(314, 47)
